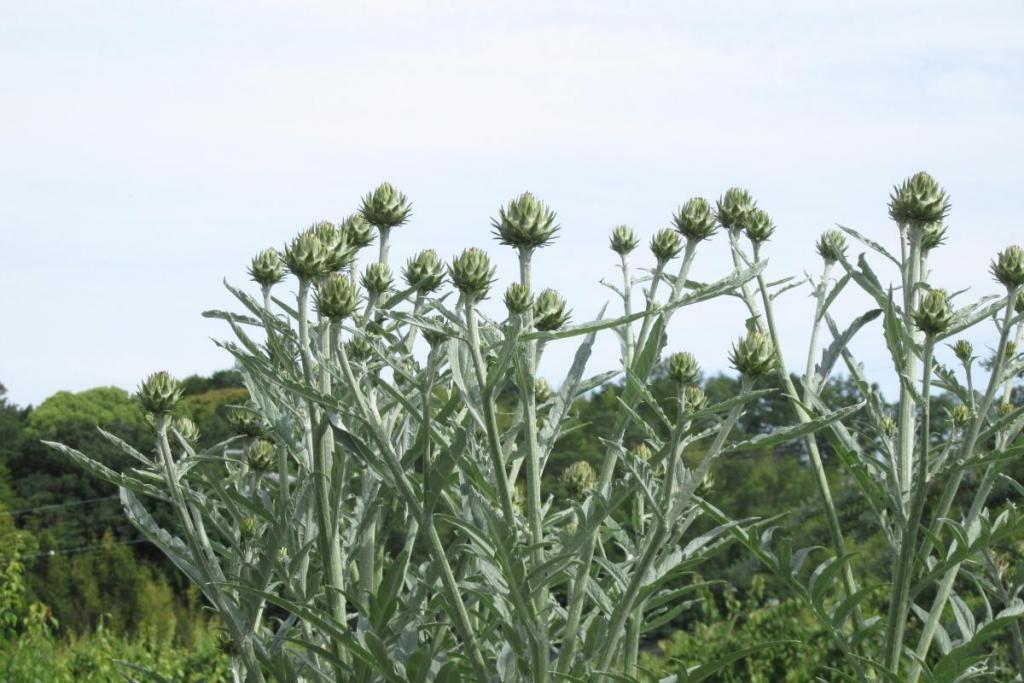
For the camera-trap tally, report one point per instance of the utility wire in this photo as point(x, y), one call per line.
point(81, 549)
point(87, 501)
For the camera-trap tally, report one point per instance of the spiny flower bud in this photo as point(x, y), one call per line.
point(338, 252)
point(472, 273)
point(579, 479)
point(356, 231)
point(933, 236)
point(424, 271)
point(248, 527)
point(438, 334)
point(934, 314)
point(187, 429)
point(377, 278)
point(641, 451)
point(962, 416)
point(385, 207)
point(694, 398)
point(888, 426)
point(1011, 349)
point(525, 223)
point(306, 257)
point(695, 220)
point(683, 368)
point(246, 422)
point(542, 390)
point(261, 457)
point(831, 246)
point(964, 351)
point(759, 227)
point(159, 393)
point(549, 311)
point(735, 208)
point(336, 297)
point(753, 356)
point(1008, 267)
point(623, 240)
point(359, 348)
point(665, 245)
point(518, 298)
point(266, 268)
point(1005, 409)
point(518, 498)
point(918, 201)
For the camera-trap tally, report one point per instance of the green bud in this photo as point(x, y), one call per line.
point(683, 368)
point(694, 398)
point(831, 246)
point(187, 429)
point(962, 416)
point(641, 451)
point(888, 426)
point(759, 227)
point(934, 314)
point(385, 207)
point(933, 235)
point(518, 298)
point(579, 479)
point(336, 297)
point(918, 201)
point(248, 527)
point(666, 245)
point(356, 231)
point(159, 393)
point(1008, 267)
point(549, 311)
point(306, 257)
point(525, 223)
point(623, 240)
point(735, 208)
point(425, 272)
point(261, 456)
point(695, 220)
point(377, 279)
point(439, 333)
point(964, 351)
point(472, 273)
point(266, 268)
point(359, 348)
point(753, 356)
point(339, 253)
point(247, 422)
point(518, 498)
point(542, 390)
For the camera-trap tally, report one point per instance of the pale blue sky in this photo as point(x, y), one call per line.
point(149, 149)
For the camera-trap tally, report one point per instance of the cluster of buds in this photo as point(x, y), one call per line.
point(159, 393)
point(549, 311)
point(1008, 267)
point(424, 271)
point(666, 245)
point(266, 268)
point(831, 246)
point(934, 313)
point(753, 356)
point(337, 297)
point(683, 368)
point(377, 279)
point(385, 207)
point(623, 240)
point(695, 220)
point(579, 479)
point(918, 202)
point(472, 273)
point(526, 223)
point(518, 298)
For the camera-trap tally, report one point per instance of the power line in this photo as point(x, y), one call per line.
point(57, 505)
point(82, 549)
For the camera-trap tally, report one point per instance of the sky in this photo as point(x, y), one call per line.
point(149, 149)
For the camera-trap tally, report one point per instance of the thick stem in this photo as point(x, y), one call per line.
point(905, 420)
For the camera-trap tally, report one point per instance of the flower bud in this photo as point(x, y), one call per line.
point(336, 297)
point(306, 257)
point(934, 314)
point(549, 311)
point(518, 298)
point(472, 273)
point(665, 245)
point(248, 527)
point(623, 240)
point(338, 253)
point(356, 231)
point(266, 268)
point(694, 398)
point(963, 351)
point(359, 348)
point(377, 279)
point(683, 368)
point(962, 416)
point(425, 272)
point(831, 246)
point(695, 220)
point(518, 498)
point(525, 223)
point(759, 227)
point(933, 235)
point(187, 429)
point(1008, 267)
point(888, 426)
point(246, 422)
point(753, 356)
point(438, 334)
point(918, 201)
point(579, 479)
point(159, 393)
point(385, 207)
point(641, 451)
point(261, 457)
point(542, 390)
point(735, 208)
